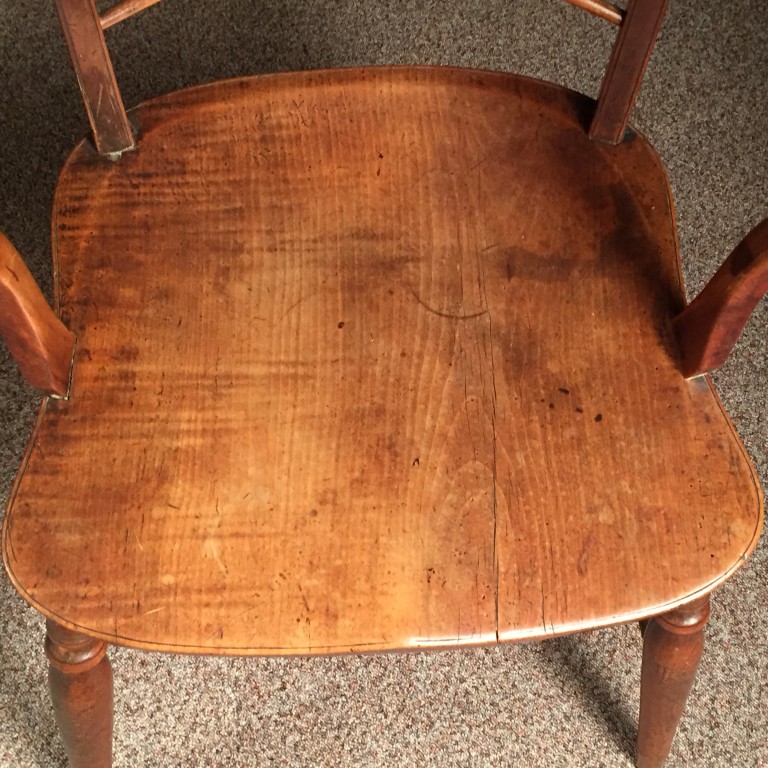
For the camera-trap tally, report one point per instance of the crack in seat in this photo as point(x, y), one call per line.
point(372, 359)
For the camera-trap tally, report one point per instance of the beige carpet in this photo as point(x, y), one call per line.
point(567, 702)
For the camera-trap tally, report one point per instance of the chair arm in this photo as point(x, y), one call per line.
point(709, 326)
point(38, 341)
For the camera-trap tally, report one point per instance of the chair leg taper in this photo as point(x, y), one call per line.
point(672, 647)
point(80, 680)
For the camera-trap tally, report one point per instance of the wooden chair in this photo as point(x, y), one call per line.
point(374, 359)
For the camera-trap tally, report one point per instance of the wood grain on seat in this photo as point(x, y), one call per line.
point(372, 360)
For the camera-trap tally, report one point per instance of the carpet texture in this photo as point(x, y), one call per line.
point(566, 702)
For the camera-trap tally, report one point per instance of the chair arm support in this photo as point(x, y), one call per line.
point(38, 341)
point(708, 327)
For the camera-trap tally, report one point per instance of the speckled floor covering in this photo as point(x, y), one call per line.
point(566, 702)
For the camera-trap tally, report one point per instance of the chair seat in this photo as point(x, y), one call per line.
point(372, 359)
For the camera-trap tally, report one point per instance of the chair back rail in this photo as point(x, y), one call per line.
point(124, 10)
point(600, 8)
point(112, 133)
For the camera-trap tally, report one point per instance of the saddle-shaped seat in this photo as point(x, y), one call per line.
point(375, 359)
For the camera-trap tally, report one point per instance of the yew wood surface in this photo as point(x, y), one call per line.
point(38, 341)
point(709, 327)
point(672, 648)
point(372, 359)
point(601, 8)
point(80, 682)
point(81, 25)
point(124, 9)
point(630, 56)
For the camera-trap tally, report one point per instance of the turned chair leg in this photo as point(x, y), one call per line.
point(80, 679)
point(672, 648)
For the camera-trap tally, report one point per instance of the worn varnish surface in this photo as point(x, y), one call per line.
point(631, 54)
point(36, 338)
point(80, 23)
point(709, 327)
point(391, 368)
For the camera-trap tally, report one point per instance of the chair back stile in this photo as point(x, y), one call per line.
point(630, 56)
point(112, 133)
